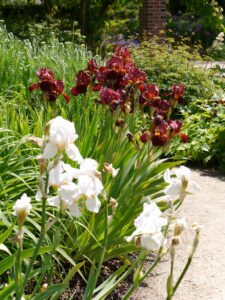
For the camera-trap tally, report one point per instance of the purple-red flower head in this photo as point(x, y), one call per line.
point(109, 97)
point(177, 93)
point(124, 53)
point(82, 82)
point(50, 87)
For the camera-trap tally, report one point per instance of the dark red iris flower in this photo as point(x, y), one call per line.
point(142, 100)
point(164, 105)
point(175, 125)
point(183, 136)
point(124, 53)
point(51, 88)
point(109, 97)
point(45, 74)
point(114, 70)
point(146, 136)
point(160, 124)
point(92, 66)
point(135, 75)
point(159, 139)
point(82, 82)
point(177, 93)
point(115, 63)
point(152, 91)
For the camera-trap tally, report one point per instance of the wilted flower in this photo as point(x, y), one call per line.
point(61, 137)
point(179, 226)
point(22, 209)
point(108, 168)
point(149, 226)
point(92, 66)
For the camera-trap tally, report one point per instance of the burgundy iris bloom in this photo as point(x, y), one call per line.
point(175, 125)
point(159, 139)
point(135, 75)
point(82, 82)
point(124, 53)
point(45, 74)
point(177, 93)
point(92, 66)
point(50, 87)
point(109, 97)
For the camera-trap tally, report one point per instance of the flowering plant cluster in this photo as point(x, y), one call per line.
point(123, 86)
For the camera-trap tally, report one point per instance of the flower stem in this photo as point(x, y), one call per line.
point(180, 278)
point(18, 271)
point(103, 250)
point(43, 217)
point(134, 286)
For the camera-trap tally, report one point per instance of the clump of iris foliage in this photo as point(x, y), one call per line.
point(203, 109)
point(126, 124)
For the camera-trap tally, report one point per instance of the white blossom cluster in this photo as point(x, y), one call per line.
point(218, 42)
point(87, 186)
point(150, 222)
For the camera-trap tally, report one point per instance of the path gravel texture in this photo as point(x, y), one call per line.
point(205, 279)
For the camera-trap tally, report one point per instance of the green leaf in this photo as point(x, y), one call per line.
point(91, 284)
point(7, 290)
point(11, 286)
point(50, 291)
point(8, 262)
point(4, 248)
point(109, 284)
point(5, 235)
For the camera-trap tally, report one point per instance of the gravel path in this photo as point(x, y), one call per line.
point(205, 279)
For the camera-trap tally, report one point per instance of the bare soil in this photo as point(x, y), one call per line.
point(205, 279)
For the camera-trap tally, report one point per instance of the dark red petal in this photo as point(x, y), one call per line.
point(143, 137)
point(66, 97)
point(184, 137)
point(96, 87)
point(33, 87)
point(159, 140)
point(74, 91)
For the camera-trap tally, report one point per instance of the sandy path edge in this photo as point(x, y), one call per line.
point(205, 278)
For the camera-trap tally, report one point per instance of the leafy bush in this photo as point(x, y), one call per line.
point(35, 22)
point(189, 26)
point(205, 126)
point(166, 63)
point(200, 20)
